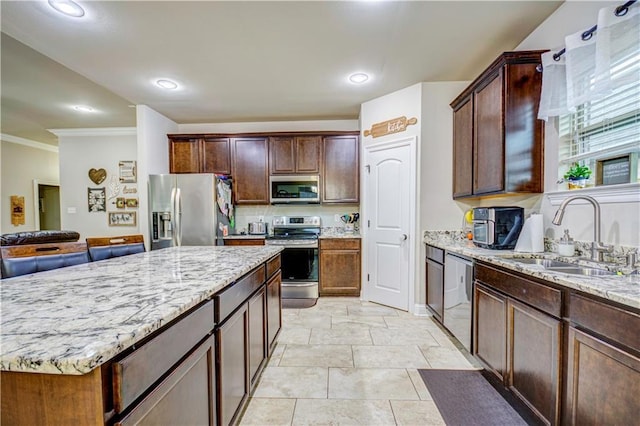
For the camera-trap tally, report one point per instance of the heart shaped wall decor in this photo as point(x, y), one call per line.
point(97, 175)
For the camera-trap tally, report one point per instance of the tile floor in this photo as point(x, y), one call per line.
point(347, 362)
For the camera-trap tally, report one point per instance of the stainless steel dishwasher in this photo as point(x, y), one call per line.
point(458, 294)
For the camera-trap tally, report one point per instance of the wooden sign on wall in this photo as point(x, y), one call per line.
point(17, 210)
point(389, 127)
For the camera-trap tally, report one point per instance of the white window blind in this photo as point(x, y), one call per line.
point(608, 126)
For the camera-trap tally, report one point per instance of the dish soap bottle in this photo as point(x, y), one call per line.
point(566, 246)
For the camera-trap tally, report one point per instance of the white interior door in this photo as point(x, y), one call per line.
point(389, 189)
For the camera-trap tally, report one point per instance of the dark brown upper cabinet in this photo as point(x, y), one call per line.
point(250, 170)
point(199, 155)
point(294, 154)
point(498, 142)
point(340, 169)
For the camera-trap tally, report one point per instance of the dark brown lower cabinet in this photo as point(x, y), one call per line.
point(533, 359)
point(339, 267)
point(257, 347)
point(186, 396)
point(274, 310)
point(518, 337)
point(435, 281)
point(490, 330)
point(232, 349)
point(603, 382)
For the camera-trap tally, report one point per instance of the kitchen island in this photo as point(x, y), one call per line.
point(91, 344)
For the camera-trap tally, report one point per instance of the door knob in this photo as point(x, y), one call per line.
point(403, 237)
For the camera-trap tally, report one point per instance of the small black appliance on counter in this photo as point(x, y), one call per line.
point(497, 228)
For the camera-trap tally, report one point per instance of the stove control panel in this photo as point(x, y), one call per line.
point(294, 221)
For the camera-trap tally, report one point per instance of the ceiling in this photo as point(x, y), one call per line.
point(238, 60)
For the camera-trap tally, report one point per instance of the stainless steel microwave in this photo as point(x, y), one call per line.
point(294, 189)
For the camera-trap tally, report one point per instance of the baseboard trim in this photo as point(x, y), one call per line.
point(421, 310)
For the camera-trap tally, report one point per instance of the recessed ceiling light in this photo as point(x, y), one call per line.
point(67, 7)
point(83, 108)
point(167, 84)
point(358, 78)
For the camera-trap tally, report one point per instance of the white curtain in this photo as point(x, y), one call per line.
point(553, 99)
point(618, 48)
point(592, 67)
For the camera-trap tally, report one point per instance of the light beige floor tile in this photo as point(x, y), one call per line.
point(440, 357)
point(370, 383)
point(403, 336)
point(292, 382)
point(317, 356)
point(418, 383)
point(295, 336)
point(324, 310)
point(340, 412)
point(376, 310)
point(344, 336)
point(401, 322)
point(341, 321)
point(268, 411)
point(412, 413)
point(408, 356)
point(276, 355)
point(314, 321)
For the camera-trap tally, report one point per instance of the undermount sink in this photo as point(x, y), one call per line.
point(547, 263)
point(564, 267)
point(582, 271)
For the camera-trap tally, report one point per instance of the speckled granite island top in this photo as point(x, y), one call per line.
point(621, 289)
point(71, 320)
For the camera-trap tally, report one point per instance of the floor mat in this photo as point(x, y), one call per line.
point(465, 397)
point(298, 303)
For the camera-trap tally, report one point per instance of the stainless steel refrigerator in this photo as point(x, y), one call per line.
point(189, 209)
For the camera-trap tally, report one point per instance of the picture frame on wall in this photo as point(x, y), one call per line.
point(127, 172)
point(131, 203)
point(122, 219)
point(97, 200)
point(120, 203)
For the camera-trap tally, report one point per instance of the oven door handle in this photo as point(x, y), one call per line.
point(296, 246)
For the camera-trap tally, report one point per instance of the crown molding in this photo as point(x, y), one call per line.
point(28, 142)
point(98, 131)
point(624, 193)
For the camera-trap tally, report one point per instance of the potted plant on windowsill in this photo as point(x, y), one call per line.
point(577, 176)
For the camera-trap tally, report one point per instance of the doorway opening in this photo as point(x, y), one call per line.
point(48, 207)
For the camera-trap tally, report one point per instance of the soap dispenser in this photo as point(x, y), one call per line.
point(566, 246)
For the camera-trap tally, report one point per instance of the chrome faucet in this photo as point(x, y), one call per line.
point(597, 248)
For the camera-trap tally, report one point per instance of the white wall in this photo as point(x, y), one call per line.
point(153, 157)
point(81, 150)
point(22, 162)
point(620, 220)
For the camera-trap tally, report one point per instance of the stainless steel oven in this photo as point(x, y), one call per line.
point(299, 259)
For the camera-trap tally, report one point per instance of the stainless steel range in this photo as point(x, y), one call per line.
point(299, 237)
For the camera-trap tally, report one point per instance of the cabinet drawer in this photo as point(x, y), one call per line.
point(135, 373)
point(273, 265)
point(183, 397)
point(340, 244)
point(538, 295)
point(616, 324)
point(233, 296)
point(436, 254)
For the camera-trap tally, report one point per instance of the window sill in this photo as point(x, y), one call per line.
point(624, 193)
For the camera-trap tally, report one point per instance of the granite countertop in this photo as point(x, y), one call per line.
point(245, 237)
point(338, 232)
point(621, 289)
point(71, 320)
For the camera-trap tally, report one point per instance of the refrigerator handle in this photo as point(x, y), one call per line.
point(179, 217)
point(173, 217)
